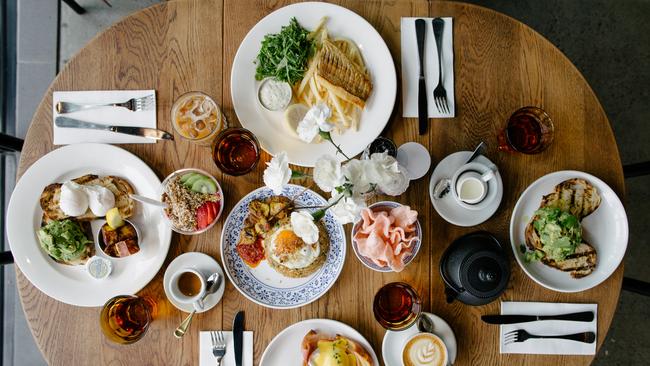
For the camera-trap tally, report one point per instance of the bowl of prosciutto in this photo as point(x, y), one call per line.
point(387, 237)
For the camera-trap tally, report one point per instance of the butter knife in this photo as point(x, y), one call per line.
point(238, 337)
point(585, 316)
point(150, 133)
point(423, 109)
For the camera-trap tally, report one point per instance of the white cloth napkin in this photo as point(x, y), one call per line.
point(411, 67)
point(205, 350)
point(116, 116)
point(549, 327)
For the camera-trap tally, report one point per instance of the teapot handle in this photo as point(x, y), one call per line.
point(451, 293)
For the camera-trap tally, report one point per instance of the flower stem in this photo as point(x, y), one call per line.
point(296, 174)
point(317, 215)
point(327, 136)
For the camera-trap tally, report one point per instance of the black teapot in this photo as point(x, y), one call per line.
point(475, 269)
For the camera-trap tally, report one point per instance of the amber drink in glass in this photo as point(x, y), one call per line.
point(125, 319)
point(236, 151)
point(396, 306)
point(530, 131)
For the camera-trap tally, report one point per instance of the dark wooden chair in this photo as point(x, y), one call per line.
point(9, 144)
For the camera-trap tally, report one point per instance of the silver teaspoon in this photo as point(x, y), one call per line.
point(444, 185)
point(212, 285)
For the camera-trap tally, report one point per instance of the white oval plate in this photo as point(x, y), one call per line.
point(72, 284)
point(605, 229)
point(269, 127)
point(284, 349)
point(263, 284)
point(203, 264)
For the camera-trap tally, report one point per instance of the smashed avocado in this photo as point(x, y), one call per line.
point(560, 233)
point(63, 240)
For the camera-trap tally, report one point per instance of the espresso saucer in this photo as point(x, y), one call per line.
point(203, 264)
point(391, 347)
point(447, 206)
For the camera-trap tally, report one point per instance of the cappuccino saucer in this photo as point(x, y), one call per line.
point(391, 347)
point(447, 206)
point(203, 264)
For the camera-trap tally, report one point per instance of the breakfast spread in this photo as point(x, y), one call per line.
point(193, 201)
point(424, 349)
point(321, 350)
point(554, 234)
point(387, 237)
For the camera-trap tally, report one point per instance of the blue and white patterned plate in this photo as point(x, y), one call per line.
point(263, 284)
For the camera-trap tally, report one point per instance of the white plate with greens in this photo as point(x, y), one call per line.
point(269, 127)
point(606, 229)
point(72, 284)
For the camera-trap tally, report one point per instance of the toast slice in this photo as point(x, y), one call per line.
point(579, 264)
point(51, 196)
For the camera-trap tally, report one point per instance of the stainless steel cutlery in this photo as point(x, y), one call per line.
point(133, 104)
point(150, 133)
point(218, 345)
point(521, 335)
point(439, 93)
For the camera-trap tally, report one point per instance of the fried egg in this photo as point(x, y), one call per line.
point(287, 249)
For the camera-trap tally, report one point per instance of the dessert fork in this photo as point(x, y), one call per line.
point(218, 345)
point(133, 104)
point(521, 335)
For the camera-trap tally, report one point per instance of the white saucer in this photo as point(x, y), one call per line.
point(415, 158)
point(202, 263)
point(447, 207)
point(391, 347)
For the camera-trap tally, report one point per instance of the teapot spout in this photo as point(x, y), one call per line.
point(451, 294)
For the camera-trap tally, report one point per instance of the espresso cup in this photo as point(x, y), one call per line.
point(471, 188)
point(187, 286)
point(424, 349)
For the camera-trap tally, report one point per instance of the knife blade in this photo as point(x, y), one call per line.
point(151, 133)
point(423, 108)
point(238, 335)
point(585, 316)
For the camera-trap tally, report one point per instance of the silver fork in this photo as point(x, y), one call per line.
point(133, 104)
point(521, 335)
point(218, 345)
point(439, 93)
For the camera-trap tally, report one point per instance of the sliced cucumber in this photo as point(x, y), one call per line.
point(186, 177)
point(205, 185)
point(193, 179)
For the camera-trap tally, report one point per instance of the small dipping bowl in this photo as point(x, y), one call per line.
point(100, 239)
point(180, 172)
point(274, 95)
point(385, 206)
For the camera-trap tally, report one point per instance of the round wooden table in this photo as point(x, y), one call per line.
point(501, 65)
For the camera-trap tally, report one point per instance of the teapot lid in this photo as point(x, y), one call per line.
point(484, 273)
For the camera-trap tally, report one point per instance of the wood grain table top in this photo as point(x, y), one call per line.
point(500, 66)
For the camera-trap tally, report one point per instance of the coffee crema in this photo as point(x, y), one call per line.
point(189, 284)
point(424, 349)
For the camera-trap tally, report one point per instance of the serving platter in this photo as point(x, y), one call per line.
point(269, 127)
point(262, 284)
point(72, 284)
point(606, 229)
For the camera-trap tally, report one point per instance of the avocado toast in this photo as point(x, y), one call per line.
point(554, 233)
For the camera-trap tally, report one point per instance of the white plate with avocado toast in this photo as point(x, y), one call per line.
point(569, 231)
point(71, 283)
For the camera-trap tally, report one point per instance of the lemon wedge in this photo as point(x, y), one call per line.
point(294, 114)
point(113, 218)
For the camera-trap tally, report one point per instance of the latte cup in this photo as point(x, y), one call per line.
point(424, 349)
point(471, 186)
point(184, 280)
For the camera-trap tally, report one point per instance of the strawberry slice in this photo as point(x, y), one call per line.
point(211, 209)
point(202, 217)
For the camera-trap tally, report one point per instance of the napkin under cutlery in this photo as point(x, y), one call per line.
point(411, 67)
point(205, 350)
point(104, 115)
point(548, 327)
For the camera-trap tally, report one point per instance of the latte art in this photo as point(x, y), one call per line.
point(424, 349)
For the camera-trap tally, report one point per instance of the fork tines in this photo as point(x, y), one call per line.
point(511, 337)
point(142, 103)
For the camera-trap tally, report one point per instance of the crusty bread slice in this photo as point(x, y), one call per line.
point(51, 196)
point(579, 264)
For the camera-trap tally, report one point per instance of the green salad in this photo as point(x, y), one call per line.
point(560, 233)
point(63, 240)
point(284, 55)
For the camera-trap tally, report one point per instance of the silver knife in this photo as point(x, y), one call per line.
point(238, 337)
point(150, 133)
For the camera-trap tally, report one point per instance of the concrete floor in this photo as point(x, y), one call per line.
point(608, 40)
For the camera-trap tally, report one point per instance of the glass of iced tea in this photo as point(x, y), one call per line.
point(236, 151)
point(197, 117)
point(529, 131)
point(396, 306)
point(125, 318)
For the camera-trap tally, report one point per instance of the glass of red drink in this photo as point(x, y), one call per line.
point(125, 319)
point(396, 306)
point(236, 151)
point(529, 131)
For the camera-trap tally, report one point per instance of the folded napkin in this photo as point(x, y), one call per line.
point(206, 358)
point(411, 67)
point(116, 116)
point(549, 327)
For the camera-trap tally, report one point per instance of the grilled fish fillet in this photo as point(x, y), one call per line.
point(580, 198)
point(120, 187)
point(335, 70)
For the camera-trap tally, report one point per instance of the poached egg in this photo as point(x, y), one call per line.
point(75, 199)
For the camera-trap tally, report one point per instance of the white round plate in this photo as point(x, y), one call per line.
point(203, 264)
point(391, 347)
point(284, 349)
point(72, 284)
point(262, 284)
point(605, 229)
point(447, 207)
point(269, 128)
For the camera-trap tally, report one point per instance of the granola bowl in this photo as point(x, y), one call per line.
point(194, 201)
